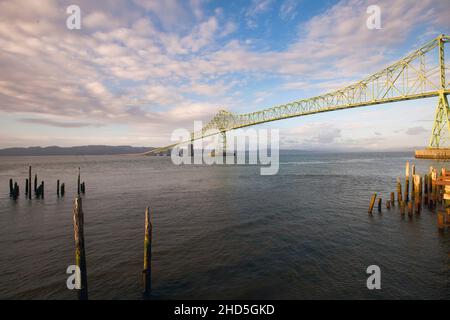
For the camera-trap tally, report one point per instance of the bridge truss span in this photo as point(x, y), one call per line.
point(421, 74)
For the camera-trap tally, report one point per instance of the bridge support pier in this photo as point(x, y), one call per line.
point(440, 135)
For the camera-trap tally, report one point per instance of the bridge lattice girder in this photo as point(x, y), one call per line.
point(421, 74)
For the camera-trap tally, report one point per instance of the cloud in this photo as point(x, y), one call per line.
point(288, 9)
point(256, 8)
point(59, 124)
point(416, 130)
point(152, 65)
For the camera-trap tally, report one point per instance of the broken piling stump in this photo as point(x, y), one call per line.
point(29, 182)
point(147, 272)
point(407, 182)
point(399, 191)
point(410, 209)
point(78, 184)
point(372, 203)
point(402, 207)
point(80, 253)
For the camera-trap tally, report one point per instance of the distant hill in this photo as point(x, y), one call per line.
point(73, 151)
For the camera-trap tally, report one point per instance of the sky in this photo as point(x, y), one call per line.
point(136, 70)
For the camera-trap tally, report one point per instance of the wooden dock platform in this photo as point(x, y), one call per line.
point(439, 154)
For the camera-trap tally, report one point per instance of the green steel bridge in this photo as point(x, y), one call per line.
point(421, 74)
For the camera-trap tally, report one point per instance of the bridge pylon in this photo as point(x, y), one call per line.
point(440, 135)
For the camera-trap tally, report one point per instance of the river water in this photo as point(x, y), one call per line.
point(221, 232)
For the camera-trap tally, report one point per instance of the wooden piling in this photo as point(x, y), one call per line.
point(410, 209)
point(147, 272)
point(379, 204)
point(29, 182)
point(399, 191)
point(26, 188)
point(425, 189)
point(63, 189)
point(388, 204)
point(393, 199)
point(78, 185)
point(402, 207)
point(430, 191)
point(421, 187)
point(417, 198)
point(80, 254)
point(433, 182)
point(439, 189)
point(57, 188)
point(15, 193)
point(11, 187)
point(35, 183)
point(42, 191)
point(372, 202)
point(407, 182)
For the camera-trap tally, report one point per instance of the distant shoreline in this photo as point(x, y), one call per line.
point(91, 150)
point(133, 151)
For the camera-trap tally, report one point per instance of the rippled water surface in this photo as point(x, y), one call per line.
point(221, 231)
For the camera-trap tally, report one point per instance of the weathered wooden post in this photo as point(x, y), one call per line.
point(388, 204)
point(80, 254)
point(26, 188)
point(413, 173)
point(372, 202)
point(379, 204)
point(57, 188)
point(29, 182)
point(410, 208)
point(78, 184)
point(399, 191)
point(393, 199)
point(421, 188)
point(435, 187)
point(147, 272)
point(430, 190)
point(416, 183)
point(425, 189)
point(407, 182)
point(42, 191)
point(35, 183)
point(11, 187)
point(402, 207)
point(15, 193)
